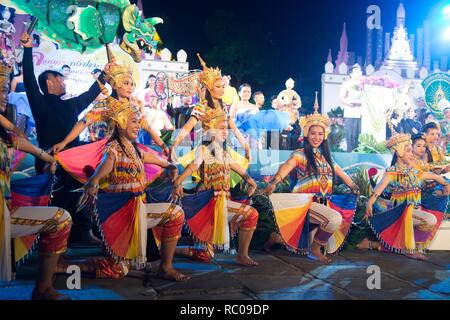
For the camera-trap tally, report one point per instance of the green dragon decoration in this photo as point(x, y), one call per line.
point(85, 25)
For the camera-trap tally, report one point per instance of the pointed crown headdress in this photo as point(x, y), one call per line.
point(118, 73)
point(315, 119)
point(398, 142)
point(118, 110)
point(209, 75)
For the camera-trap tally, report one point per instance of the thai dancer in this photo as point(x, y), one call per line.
point(435, 155)
point(25, 224)
point(203, 111)
point(408, 222)
point(121, 211)
point(210, 213)
point(81, 161)
point(315, 174)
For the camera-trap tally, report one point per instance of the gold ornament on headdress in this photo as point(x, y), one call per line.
point(315, 119)
point(118, 110)
point(117, 74)
point(210, 117)
point(209, 75)
point(217, 116)
point(398, 142)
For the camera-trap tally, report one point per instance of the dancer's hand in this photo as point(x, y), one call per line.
point(252, 187)
point(58, 147)
point(91, 187)
point(177, 192)
point(89, 196)
point(50, 167)
point(369, 212)
point(166, 151)
point(355, 189)
point(109, 65)
point(269, 189)
point(173, 172)
point(26, 40)
point(447, 189)
point(172, 155)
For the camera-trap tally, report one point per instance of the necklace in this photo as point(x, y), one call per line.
point(130, 151)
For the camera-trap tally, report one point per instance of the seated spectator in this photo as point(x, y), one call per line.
point(157, 118)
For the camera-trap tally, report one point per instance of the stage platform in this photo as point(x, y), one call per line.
point(280, 276)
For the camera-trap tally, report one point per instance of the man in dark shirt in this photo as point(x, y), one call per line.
point(181, 114)
point(54, 119)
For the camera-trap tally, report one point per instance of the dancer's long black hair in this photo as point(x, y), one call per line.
point(311, 165)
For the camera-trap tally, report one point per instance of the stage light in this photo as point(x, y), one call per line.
point(446, 34)
point(446, 10)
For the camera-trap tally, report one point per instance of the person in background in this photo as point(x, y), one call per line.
point(70, 86)
point(54, 119)
point(181, 114)
point(245, 92)
point(409, 124)
point(157, 118)
point(351, 99)
point(17, 84)
point(259, 99)
point(445, 125)
point(230, 96)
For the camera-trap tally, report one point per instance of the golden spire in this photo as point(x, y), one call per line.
point(209, 75)
point(315, 119)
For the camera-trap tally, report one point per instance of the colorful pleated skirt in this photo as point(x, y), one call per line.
point(394, 227)
point(81, 162)
point(291, 211)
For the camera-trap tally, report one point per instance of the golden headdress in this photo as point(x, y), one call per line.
point(209, 75)
point(117, 74)
point(118, 110)
point(398, 142)
point(315, 119)
point(209, 117)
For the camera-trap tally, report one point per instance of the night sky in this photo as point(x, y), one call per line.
point(302, 31)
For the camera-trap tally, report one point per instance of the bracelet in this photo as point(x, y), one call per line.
point(274, 179)
point(89, 184)
point(375, 195)
point(40, 154)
